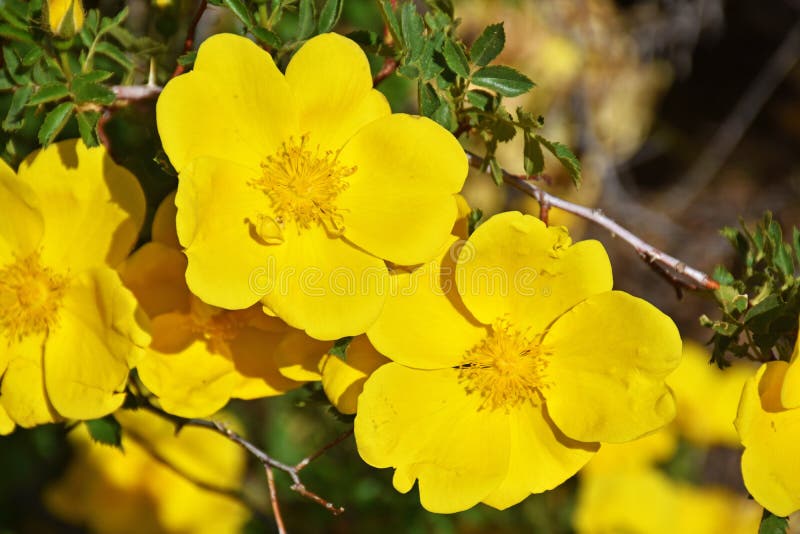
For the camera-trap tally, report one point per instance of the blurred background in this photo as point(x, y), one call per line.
point(685, 115)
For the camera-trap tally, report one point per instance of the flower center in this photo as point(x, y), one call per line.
point(506, 368)
point(303, 185)
point(30, 297)
point(217, 327)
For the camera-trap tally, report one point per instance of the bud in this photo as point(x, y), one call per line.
point(65, 17)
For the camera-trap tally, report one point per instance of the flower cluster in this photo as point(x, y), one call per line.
point(482, 366)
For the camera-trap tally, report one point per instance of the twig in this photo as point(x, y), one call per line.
point(263, 457)
point(308, 459)
point(389, 66)
point(273, 498)
point(731, 131)
point(132, 93)
point(677, 272)
point(189, 42)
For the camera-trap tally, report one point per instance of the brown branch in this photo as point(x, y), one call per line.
point(389, 66)
point(133, 93)
point(673, 269)
point(188, 43)
point(261, 456)
point(273, 498)
point(308, 459)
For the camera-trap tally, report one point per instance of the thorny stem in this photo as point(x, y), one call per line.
point(268, 462)
point(189, 42)
point(674, 270)
point(389, 64)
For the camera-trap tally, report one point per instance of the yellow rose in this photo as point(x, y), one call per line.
point(65, 17)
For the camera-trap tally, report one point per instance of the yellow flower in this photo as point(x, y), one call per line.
point(130, 491)
point(642, 453)
point(768, 423)
point(202, 356)
point(707, 397)
point(646, 501)
point(65, 17)
point(68, 327)
point(294, 188)
point(506, 387)
point(343, 378)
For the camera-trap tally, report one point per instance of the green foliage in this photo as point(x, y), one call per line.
point(339, 348)
point(63, 79)
point(760, 305)
point(772, 524)
point(106, 431)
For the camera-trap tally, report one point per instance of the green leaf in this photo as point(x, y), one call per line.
point(339, 348)
point(796, 242)
point(33, 55)
point(783, 259)
point(488, 45)
point(772, 524)
point(413, 30)
point(409, 71)
point(456, 58)
point(364, 37)
point(428, 99)
point(532, 154)
point(481, 99)
point(565, 156)
point(54, 122)
point(85, 90)
point(114, 53)
point(13, 122)
point(473, 219)
point(329, 15)
point(106, 431)
point(502, 128)
point(95, 76)
point(390, 20)
point(264, 35)
point(445, 6)
point(87, 126)
point(722, 275)
point(768, 304)
point(504, 80)
point(445, 116)
point(49, 93)
point(240, 10)
point(16, 31)
point(305, 19)
point(496, 170)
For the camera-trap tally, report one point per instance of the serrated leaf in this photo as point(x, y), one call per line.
point(503, 79)
point(409, 71)
point(305, 19)
point(413, 29)
point(106, 431)
point(54, 122)
point(95, 76)
point(502, 129)
point(456, 58)
point(5, 83)
point(87, 126)
point(488, 45)
point(390, 20)
point(532, 154)
point(264, 35)
point(49, 93)
point(339, 348)
point(796, 243)
point(773, 524)
point(565, 156)
point(91, 21)
point(85, 90)
point(428, 99)
point(114, 53)
point(783, 259)
point(12, 122)
point(33, 55)
point(473, 219)
point(363, 37)
point(768, 304)
point(725, 328)
point(329, 15)
point(480, 99)
point(240, 10)
point(187, 59)
point(10, 59)
point(445, 116)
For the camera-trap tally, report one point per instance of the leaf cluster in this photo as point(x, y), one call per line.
point(54, 80)
point(760, 305)
point(458, 87)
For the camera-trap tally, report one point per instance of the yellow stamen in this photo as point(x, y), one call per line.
point(303, 185)
point(507, 368)
point(30, 297)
